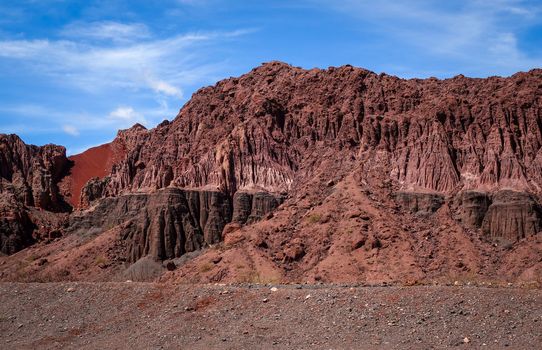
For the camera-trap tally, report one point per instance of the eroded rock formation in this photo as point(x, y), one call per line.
point(261, 128)
point(16, 228)
point(473, 207)
point(32, 173)
point(465, 153)
point(420, 203)
point(252, 207)
point(170, 222)
point(503, 215)
point(163, 224)
point(93, 190)
point(268, 129)
point(512, 216)
point(29, 177)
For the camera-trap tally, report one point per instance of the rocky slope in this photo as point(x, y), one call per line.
point(357, 176)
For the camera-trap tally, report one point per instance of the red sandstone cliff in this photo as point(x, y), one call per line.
point(382, 178)
point(260, 129)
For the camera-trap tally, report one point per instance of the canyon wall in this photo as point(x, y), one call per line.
point(260, 129)
point(32, 173)
point(246, 146)
point(169, 222)
point(29, 177)
point(268, 130)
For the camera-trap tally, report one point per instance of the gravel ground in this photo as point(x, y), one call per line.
point(163, 316)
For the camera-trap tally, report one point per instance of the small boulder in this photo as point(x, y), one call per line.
point(170, 266)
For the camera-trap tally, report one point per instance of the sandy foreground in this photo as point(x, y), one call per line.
point(164, 316)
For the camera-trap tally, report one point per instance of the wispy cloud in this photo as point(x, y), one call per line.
point(161, 65)
point(127, 113)
point(103, 59)
point(483, 33)
point(70, 130)
point(106, 30)
point(163, 87)
point(75, 122)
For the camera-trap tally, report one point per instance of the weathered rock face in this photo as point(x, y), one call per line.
point(93, 190)
point(32, 173)
point(267, 128)
point(380, 140)
point(15, 225)
point(420, 203)
point(252, 207)
point(165, 224)
point(512, 216)
point(171, 222)
point(473, 207)
point(272, 129)
point(29, 176)
point(504, 215)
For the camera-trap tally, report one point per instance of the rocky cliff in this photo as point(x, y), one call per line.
point(259, 129)
point(269, 129)
point(16, 228)
point(165, 224)
point(29, 177)
point(381, 159)
point(32, 173)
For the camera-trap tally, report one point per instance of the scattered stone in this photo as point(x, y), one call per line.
point(170, 266)
point(261, 243)
point(358, 244)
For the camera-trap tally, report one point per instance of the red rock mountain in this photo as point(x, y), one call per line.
point(333, 175)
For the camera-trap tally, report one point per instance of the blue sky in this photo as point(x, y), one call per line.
point(74, 72)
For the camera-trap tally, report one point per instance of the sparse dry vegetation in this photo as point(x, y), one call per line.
point(315, 218)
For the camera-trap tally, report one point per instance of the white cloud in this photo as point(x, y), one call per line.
point(106, 30)
point(35, 119)
point(159, 65)
point(70, 130)
point(110, 62)
point(126, 113)
point(481, 34)
point(161, 86)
